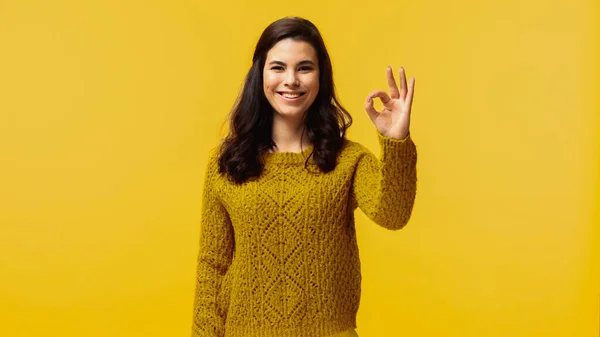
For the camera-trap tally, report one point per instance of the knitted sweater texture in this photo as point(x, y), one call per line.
point(278, 254)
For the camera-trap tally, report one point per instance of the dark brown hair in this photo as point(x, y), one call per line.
point(250, 132)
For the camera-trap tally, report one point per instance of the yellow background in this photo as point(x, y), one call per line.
point(108, 110)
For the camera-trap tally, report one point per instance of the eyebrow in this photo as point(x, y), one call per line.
point(303, 62)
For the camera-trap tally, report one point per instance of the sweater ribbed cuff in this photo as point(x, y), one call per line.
point(397, 149)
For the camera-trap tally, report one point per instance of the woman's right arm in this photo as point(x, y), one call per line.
point(214, 258)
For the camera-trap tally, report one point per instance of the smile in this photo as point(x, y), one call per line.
point(291, 95)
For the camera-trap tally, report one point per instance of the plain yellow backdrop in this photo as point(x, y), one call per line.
point(108, 110)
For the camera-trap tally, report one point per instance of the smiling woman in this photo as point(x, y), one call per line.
point(291, 80)
point(290, 58)
point(278, 250)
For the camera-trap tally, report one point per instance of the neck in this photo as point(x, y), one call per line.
point(289, 135)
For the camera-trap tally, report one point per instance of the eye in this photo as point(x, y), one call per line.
point(277, 68)
point(305, 68)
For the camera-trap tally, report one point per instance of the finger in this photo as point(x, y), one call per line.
point(411, 91)
point(371, 109)
point(403, 90)
point(382, 95)
point(392, 83)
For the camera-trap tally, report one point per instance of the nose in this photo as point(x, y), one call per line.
point(291, 80)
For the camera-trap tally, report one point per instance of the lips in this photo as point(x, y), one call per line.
point(291, 95)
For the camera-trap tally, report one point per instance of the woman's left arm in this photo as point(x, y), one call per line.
point(385, 188)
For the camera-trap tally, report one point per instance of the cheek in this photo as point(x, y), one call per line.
point(269, 82)
point(314, 81)
point(314, 86)
point(266, 83)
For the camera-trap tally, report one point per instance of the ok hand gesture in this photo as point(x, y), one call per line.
point(394, 120)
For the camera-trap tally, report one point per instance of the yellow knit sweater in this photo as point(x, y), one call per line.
point(278, 254)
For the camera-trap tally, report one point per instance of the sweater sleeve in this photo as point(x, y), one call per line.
point(385, 189)
point(214, 258)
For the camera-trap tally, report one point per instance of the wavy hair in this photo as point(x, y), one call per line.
point(250, 131)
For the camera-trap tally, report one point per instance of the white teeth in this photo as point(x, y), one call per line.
point(286, 95)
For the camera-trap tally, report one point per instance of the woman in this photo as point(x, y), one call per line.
point(278, 253)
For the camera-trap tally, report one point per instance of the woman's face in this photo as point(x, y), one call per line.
point(291, 77)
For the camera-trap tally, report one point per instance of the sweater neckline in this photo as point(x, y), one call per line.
point(288, 157)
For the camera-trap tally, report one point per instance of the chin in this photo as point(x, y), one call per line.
point(291, 113)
